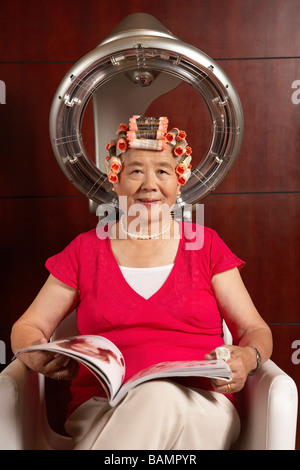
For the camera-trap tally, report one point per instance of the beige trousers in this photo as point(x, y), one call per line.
point(157, 415)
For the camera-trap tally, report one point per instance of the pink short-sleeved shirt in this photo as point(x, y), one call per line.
point(181, 321)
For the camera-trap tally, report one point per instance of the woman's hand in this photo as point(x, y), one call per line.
point(242, 361)
point(54, 366)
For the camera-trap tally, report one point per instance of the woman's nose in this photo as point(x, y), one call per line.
point(149, 182)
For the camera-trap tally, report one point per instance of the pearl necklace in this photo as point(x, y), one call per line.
point(141, 236)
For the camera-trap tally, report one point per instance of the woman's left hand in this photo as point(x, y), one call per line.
point(242, 361)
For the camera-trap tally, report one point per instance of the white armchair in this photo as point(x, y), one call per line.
point(267, 404)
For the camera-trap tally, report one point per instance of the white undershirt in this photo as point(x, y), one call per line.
point(146, 281)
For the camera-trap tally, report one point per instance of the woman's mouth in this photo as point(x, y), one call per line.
point(148, 201)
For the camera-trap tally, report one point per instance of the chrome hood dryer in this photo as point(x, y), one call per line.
point(139, 61)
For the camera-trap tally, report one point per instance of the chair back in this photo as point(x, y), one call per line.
point(226, 334)
point(68, 327)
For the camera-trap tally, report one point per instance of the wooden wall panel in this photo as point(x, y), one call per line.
point(35, 228)
point(64, 30)
point(29, 167)
point(261, 229)
point(255, 209)
point(266, 162)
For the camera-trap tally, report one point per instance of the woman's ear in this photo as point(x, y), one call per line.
point(178, 190)
point(115, 187)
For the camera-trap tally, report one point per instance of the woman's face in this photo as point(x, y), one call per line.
point(148, 179)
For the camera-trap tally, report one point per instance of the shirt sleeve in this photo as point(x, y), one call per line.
point(64, 266)
point(222, 258)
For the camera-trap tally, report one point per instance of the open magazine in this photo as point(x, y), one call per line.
point(106, 362)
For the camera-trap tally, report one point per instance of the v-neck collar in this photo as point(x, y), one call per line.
point(121, 281)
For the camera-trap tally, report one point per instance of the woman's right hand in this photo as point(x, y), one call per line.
point(52, 365)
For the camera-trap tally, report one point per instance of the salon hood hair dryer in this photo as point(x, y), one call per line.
point(138, 62)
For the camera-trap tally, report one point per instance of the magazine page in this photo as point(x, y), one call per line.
point(217, 369)
point(100, 355)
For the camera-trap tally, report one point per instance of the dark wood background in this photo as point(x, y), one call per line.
point(255, 210)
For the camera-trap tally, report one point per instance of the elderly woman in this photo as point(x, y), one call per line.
point(139, 286)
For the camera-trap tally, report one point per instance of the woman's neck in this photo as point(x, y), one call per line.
point(145, 253)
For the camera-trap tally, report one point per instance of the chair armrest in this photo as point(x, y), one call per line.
point(268, 409)
point(23, 417)
point(19, 423)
